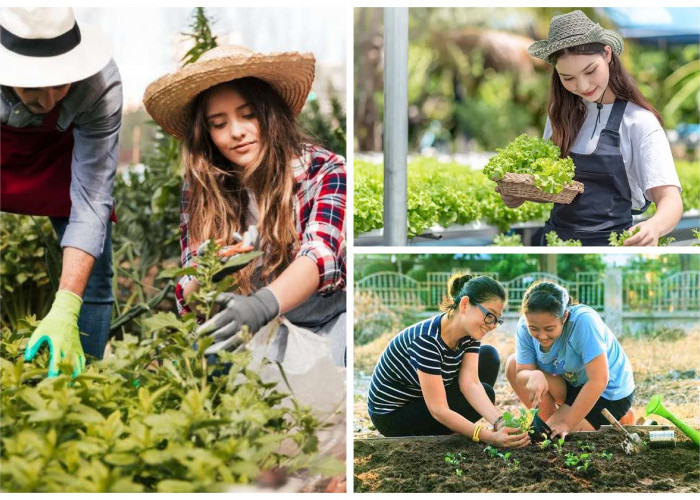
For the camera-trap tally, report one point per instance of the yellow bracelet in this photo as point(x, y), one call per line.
point(477, 430)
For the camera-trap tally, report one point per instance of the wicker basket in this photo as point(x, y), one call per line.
point(523, 186)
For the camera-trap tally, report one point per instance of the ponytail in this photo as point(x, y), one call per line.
point(479, 289)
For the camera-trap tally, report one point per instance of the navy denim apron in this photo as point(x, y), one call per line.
point(606, 202)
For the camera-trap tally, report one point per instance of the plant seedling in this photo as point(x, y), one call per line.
point(521, 422)
point(454, 458)
point(606, 455)
point(545, 443)
point(559, 446)
point(585, 446)
point(579, 462)
point(492, 452)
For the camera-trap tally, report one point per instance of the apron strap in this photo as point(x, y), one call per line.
point(640, 211)
point(616, 114)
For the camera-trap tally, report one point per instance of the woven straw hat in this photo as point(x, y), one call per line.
point(570, 30)
point(44, 46)
point(169, 99)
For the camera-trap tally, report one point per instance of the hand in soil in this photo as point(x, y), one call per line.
point(508, 437)
point(559, 428)
point(537, 386)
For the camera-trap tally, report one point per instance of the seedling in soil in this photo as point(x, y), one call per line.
point(579, 462)
point(454, 458)
point(558, 446)
point(494, 453)
point(585, 446)
point(545, 443)
point(604, 454)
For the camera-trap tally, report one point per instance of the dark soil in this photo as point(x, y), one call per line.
point(418, 465)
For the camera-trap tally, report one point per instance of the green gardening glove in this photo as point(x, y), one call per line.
point(59, 329)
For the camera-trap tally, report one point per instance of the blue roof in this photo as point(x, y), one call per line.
point(679, 25)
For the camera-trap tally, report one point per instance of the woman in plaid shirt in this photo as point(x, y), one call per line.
point(247, 164)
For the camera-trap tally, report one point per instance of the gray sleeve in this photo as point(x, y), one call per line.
point(95, 157)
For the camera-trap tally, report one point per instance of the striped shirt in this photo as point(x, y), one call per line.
point(319, 209)
point(419, 347)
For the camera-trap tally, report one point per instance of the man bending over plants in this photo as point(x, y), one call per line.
point(61, 114)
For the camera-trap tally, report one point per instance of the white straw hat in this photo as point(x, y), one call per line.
point(42, 47)
point(169, 99)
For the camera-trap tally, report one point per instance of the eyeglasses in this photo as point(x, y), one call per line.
point(489, 317)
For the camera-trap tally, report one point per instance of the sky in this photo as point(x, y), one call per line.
point(147, 41)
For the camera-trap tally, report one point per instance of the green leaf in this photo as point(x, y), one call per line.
point(327, 466)
point(177, 272)
point(175, 486)
point(32, 397)
point(121, 459)
point(46, 416)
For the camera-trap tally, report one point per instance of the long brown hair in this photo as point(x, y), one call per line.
point(218, 198)
point(567, 111)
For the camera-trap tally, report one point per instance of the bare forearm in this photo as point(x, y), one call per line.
point(669, 210)
point(296, 284)
point(77, 267)
point(453, 421)
point(479, 400)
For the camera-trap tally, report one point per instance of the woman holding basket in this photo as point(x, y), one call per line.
point(598, 116)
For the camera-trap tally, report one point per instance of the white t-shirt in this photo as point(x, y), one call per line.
point(646, 152)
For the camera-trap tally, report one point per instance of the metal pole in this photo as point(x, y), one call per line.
point(395, 125)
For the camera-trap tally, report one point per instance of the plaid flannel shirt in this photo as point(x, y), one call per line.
point(319, 206)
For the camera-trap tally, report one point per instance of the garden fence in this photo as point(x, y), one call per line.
point(617, 295)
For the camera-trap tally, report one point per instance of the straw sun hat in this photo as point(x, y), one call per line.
point(169, 99)
point(43, 47)
point(570, 30)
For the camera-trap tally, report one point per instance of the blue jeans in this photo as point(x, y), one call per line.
point(96, 313)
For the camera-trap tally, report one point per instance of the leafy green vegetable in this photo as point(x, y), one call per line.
point(553, 240)
point(616, 240)
point(535, 156)
point(448, 193)
point(503, 240)
point(438, 193)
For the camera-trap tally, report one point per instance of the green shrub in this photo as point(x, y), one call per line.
point(30, 260)
point(372, 318)
point(156, 416)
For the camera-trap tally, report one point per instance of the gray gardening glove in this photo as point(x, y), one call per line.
point(255, 311)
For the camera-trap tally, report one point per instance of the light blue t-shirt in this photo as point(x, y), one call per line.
point(585, 337)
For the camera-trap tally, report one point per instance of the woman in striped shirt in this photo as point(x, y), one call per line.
point(436, 378)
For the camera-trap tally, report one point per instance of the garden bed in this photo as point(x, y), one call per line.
point(419, 465)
